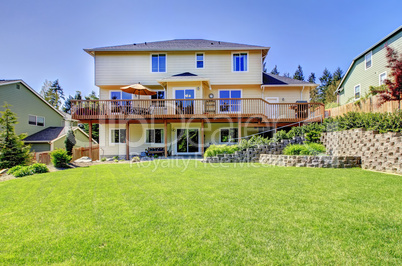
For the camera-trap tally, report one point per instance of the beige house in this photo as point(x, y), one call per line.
point(207, 92)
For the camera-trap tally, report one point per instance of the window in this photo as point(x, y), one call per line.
point(199, 60)
point(154, 136)
point(368, 60)
point(230, 105)
point(118, 135)
point(357, 92)
point(36, 120)
point(159, 63)
point(240, 62)
point(158, 96)
point(383, 76)
point(120, 95)
point(229, 135)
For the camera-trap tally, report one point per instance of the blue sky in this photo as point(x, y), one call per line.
point(44, 39)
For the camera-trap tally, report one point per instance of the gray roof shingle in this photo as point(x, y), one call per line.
point(2, 81)
point(179, 45)
point(271, 79)
point(46, 135)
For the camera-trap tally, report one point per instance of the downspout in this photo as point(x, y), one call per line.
point(301, 94)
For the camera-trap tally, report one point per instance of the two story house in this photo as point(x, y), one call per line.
point(45, 126)
point(368, 69)
point(207, 92)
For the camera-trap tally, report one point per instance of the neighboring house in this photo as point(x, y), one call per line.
point(208, 92)
point(368, 69)
point(54, 137)
point(36, 117)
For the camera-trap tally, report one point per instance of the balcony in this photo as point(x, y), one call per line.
point(102, 110)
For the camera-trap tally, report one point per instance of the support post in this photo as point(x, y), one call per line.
point(90, 139)
point(128, 140)
point(165, 137)
point(202, 138)
point(239, 129)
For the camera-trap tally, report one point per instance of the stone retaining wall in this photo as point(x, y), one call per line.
point(253, 154)
point(380, 152)
point(311, 161)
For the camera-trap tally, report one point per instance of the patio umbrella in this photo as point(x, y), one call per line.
point(138, 89)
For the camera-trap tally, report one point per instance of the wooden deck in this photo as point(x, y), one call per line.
point(104, 110)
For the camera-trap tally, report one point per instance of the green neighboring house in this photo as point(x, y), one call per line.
point(45, 126)
point(368, 69)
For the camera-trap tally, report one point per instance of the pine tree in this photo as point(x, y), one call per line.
point(325, 80)
point(275, 70)
point(299, 73)
point(311, 78)
point(70, 142)
point(286, 74)
point(13, 150)
point(92, 96)
point(53, 94)
point(67, 103)
point(338, 75)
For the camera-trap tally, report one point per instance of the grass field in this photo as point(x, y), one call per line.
point(117, 214)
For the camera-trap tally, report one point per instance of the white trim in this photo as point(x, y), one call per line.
point(156, 143)
point(150, 57)
point(379, 77)
point(276, 98)
point(184, 88)
point(35, 93)
point(354, 92)
point(229, 128)
point(110, 136)
point(365, 60)
point(176, 141)
point(248, 59)
point(203, 60)
point(292, 85)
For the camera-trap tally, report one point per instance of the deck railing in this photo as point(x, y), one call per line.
point(195, 108)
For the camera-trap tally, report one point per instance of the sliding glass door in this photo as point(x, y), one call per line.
point(187, 141)
point(230, 105)
point(185, 107)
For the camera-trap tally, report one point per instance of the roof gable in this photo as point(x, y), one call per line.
point(271, 79)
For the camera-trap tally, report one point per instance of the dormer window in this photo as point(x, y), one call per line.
point(158, 62)
point(199, 57)
point(368, 60)
point(240, 62)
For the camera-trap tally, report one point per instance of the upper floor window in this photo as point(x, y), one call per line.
point(159, 63)
point(120, 95)
point(382, 77)
point(199, 60)
point(154, 136)
point(118, 135)
point(357, 92)
point(36, 120)
point(368, 60)
point(240, 62)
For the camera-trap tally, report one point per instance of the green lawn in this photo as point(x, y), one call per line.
point(244, 215)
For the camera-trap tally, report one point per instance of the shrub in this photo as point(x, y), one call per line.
point(214, 150)
point(14, 169)
point(254, 141)
point(295, 149)
point(280, 135)
point(24, 171)
point(60, 158)
point(135, 159)
point(39, 168)
point(313, 136)
point(103, 159)
point(306, 149)
point(116, 161)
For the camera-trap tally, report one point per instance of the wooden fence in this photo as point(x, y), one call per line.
point(84, 151)
point(369, 105)
point(42, 157)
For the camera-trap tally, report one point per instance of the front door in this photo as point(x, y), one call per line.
point(187, 141)
point(185, 107)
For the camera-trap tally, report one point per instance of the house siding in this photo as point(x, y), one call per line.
point(18, 99)
point(368, 77)
point(129, 68)
point(81, 141)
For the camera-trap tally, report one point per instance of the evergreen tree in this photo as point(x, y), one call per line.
point(264, 67)
point(311, 78)
point(338, 75)
point(299, 73)
point(275, 70)
point(286, 74)
point(53, 94)
point(13, 150)
point(45, 89)
point(92, 96)
point(325, 80)
point(70, 142)
point(95, 130)
point(67, 103)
